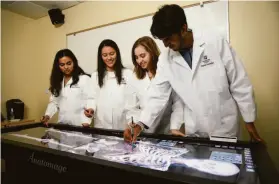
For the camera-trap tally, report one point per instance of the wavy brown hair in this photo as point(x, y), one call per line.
point(151, 47)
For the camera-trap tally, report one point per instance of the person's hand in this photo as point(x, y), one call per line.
point(177, 133)
point(255, 137)
point(88, 112)
point(85, 125)
point(128, 135)
point(136, 132)
point(45, 120)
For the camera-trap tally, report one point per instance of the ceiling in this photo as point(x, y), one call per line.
point(36, 9)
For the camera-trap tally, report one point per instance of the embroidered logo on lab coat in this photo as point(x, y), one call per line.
point(206, 61)
point(75, 86)
point(123, 81)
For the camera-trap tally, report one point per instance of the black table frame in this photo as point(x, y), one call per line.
point(82, 169)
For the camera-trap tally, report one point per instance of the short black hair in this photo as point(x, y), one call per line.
point(168, 20)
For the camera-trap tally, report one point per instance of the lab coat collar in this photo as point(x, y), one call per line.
point(68, 83)
point(110, 74)
point(147, 81)
point(176, 56)
point(197, 51)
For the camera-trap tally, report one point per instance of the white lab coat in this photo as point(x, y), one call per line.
point(212, 90)
point(110, 100)
point(71, 102)
point(172, 111)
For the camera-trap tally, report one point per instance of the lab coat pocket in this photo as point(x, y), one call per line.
point(229, 118)
point(76, 91)
point(118, 118)
point(62, 104)
point(210, 116)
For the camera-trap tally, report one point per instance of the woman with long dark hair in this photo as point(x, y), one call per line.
point(110, 84)
point(71, 91)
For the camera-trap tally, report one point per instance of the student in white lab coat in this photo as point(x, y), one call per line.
point(145, 55)
point(205, 72)
point(70, 91)
point(109, 83)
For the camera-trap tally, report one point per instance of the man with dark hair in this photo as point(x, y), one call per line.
point(206, 73)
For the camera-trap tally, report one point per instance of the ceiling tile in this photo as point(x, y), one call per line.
point(28, 9)
point(36, 9)
point(56, 4)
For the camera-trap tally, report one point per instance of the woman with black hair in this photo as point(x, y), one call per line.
point(110, 88)
point(71, 91)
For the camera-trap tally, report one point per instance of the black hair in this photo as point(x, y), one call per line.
point(57, 75)
point(168, 20)
point(102, 66)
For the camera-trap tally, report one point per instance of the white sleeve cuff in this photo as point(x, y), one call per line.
point(176, 126)
point(249, 117)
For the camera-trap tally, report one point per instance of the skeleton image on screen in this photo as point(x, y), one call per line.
point(209, 166)
point(151, 149)
point(160, 158)
point(143, 160)
point(147, 155)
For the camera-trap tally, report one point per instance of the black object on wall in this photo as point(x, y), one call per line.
point(15, 107)
point(56, 16)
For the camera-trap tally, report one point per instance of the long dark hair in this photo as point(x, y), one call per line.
point(57, 75)
point(151, 47)
point(102, 66)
